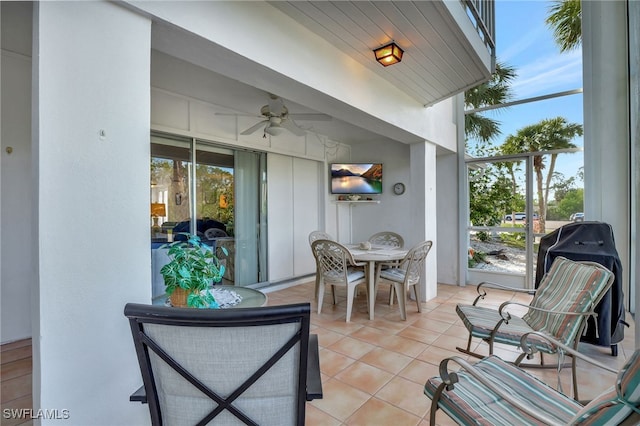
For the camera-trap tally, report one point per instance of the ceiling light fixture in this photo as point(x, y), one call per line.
point(273, 129)
point(389, 54)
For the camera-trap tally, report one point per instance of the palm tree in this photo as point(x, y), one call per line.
point(547, 135)
point(565, 19)
point(493, 92)
point(511, 145)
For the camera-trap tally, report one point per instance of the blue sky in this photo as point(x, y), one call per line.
point(524, 42)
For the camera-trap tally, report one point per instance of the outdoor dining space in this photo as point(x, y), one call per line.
point(382, 259)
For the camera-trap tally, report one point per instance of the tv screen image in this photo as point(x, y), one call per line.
point(356, 178)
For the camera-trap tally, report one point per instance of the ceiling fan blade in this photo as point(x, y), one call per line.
point(311, 116)
point(292, 127)
point(236, 114)
point(254, 127)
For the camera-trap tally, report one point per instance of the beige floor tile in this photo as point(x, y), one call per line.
point(447, 341)
point(376, 412)
point(419, 334)
point(419, 371)
point(432, 325)
point(405, 394)
point(365, 377)
point(351, 347)
point(326, 337)
point(440, 314)
point(403, 345)
point(387, 360)
point(340, 400)
point(458, 331)
point(315, 416)
point(435, 354)
point(331, 363)
point(369, 334)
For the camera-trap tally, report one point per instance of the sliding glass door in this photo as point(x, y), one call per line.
point(222, 200)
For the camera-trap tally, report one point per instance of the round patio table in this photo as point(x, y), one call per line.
point(251, 298)
point(376, 253)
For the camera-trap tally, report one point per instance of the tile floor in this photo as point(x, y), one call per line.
point(373, 372)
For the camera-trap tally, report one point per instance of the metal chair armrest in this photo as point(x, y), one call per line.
point(140, 395)
point(531, 349)
point(480, 289)
point(549, 311)
point(506, 316)
point(314, 380)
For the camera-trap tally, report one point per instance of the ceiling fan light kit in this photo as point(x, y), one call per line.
point(273, 129)
point(388, 54)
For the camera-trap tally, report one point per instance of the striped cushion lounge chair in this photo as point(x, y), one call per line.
point(494, 392)
point(566, 297)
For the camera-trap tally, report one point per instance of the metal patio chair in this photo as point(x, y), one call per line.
point(565, 299)
point(225, 366)
point(495, 392)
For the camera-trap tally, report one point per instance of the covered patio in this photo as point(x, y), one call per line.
point(85, 84)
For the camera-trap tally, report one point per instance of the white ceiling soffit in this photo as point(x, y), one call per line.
point(444, 55)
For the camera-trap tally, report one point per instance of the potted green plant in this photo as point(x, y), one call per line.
point(192, 269)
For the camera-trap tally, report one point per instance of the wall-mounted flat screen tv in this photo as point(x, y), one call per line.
point(356, 178)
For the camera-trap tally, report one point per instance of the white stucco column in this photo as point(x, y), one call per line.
point(606, 121)
point(423, 210)
point(91, 145)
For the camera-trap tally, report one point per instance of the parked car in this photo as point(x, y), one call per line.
point(577, 217)
point(520, 216)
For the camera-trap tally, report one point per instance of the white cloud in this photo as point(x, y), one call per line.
point(549, 74)
point(522, 44)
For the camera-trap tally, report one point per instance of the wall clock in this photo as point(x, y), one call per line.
point(398, 188)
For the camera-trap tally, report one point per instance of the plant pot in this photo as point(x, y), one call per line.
point(179, 297)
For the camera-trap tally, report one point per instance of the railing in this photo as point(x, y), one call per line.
point(482, 14)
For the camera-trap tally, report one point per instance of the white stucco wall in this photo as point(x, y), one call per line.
point(447, 207)
point(423, 211)
point(392, 212)
point(92, 70)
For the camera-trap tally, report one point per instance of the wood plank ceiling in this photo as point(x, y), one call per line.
point(439, 59)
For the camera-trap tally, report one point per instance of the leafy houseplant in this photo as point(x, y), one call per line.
point(192, 268)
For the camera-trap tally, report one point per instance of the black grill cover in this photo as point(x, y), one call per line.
point(591, 241)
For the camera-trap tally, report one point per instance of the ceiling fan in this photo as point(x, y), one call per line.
point(277, 119)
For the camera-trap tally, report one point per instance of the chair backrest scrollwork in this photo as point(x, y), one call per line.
point(387, 238)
